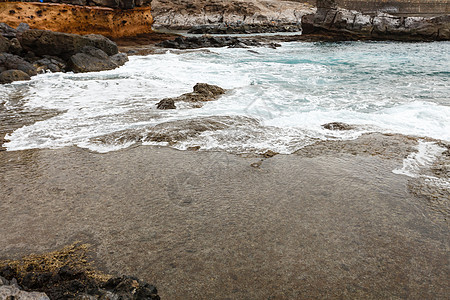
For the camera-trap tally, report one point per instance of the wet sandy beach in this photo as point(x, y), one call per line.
point(208, 225)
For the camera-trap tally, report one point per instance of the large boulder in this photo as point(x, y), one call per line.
point(92, 59)
point(13, 75)
point(64, 45)
point(14, 62)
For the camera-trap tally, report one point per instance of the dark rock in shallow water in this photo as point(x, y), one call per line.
point(91, 59)
point(202, 92)
point(13, 75)
point(50, 63)
point(166, 104)
point(337, 126)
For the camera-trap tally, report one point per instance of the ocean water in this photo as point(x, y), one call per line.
point(276, 99)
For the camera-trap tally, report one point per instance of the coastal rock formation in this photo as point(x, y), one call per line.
point(334, 20)
point(33, 50)
point(108, 18)
point(184, 14)
point(241, 28)
point(202, 92)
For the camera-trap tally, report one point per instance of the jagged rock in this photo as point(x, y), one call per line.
point(64, 45)
point(126, 285)
point(14, 62)
point(22, 27)
point(166, 104)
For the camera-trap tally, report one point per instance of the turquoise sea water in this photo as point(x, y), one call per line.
point(276, 98)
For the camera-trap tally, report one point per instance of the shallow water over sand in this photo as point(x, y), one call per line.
point(207, 225)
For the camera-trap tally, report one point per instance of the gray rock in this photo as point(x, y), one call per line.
point(13, 292)
point(103, 43)
point(22, 27)
point(119, 59)
point(13, 75)
point(7, 31)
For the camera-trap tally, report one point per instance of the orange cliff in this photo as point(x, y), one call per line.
point(113, 23)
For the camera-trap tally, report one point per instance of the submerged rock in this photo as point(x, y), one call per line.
point(166, 104)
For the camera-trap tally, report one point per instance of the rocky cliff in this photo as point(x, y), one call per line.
point(332, 19)
point(108, 17)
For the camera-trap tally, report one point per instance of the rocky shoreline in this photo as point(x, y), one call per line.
point(25, 52)
point(67, 274)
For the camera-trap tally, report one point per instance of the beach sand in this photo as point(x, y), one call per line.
point(211, 225)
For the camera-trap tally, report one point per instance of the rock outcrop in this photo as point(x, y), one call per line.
point(334, 20)
point(25, 52)
point(183, 14)
point(108, 18)
point(203, 92)
point(195, 42)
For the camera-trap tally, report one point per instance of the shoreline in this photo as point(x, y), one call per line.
point(211, 224)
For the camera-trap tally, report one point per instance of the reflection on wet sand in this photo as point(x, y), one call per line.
point(208, 225)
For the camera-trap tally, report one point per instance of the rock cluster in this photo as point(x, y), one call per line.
point(202, 92)
point(24, 52)
point(68, 283)
point(335, 20)
point(242, 28)
point(205, 41)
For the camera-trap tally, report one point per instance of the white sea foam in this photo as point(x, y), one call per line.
point(291, 91)
point(417, 162)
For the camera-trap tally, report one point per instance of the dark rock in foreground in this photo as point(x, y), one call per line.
point(65, 274)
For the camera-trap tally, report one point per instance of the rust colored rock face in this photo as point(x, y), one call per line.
point(113, 23)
